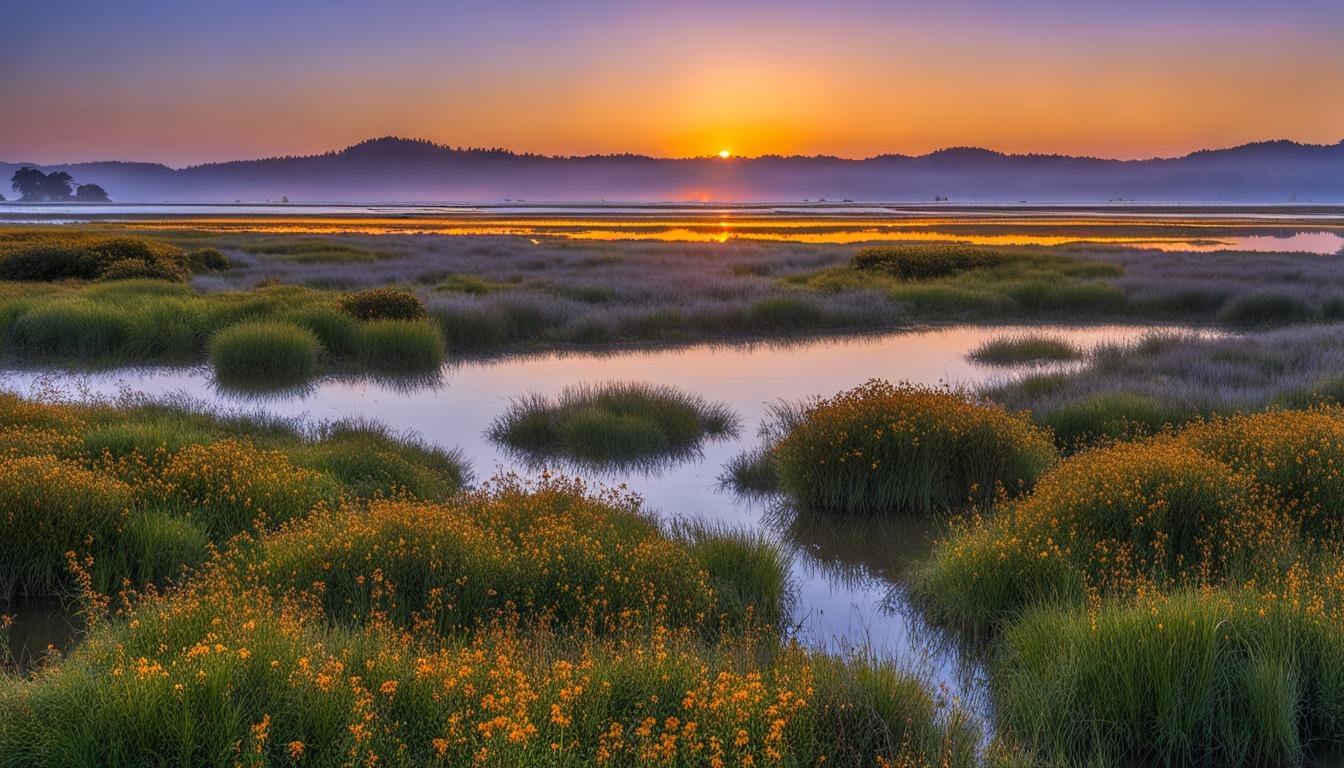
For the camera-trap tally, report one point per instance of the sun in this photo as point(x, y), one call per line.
point(725, 154)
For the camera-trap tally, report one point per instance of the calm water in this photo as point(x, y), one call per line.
point(844, 574)
point(1313, 229)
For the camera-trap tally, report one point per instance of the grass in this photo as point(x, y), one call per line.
point(265, 351)
point(400, 346)
point(142, 487)
point(612, 423)
point(315, 251)
point(882, 448)
point(1025, 349)
point(518, 623)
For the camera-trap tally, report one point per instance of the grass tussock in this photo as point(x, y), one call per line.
point(401, 346)
point(1025, 349)
point(47, 255)
point(617, 422)
point(265, 351)
point(884, 448)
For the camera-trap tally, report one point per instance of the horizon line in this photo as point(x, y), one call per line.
point(714, 157)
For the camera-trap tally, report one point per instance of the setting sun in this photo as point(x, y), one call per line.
point(725, 153)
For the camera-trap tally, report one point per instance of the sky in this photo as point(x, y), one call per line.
point(186, 81)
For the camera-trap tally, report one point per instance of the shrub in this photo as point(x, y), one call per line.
point(265, 351)
point(50, 256)
point(897, 448)
point(373, 463)
point(401, 345)
point(612, 423)
point(383, 304)
point(208, 260)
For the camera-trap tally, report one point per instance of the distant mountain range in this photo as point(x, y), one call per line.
point(409, 170)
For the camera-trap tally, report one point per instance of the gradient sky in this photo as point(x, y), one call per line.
point(185, 81)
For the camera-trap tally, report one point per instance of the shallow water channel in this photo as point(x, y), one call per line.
point(844, 571)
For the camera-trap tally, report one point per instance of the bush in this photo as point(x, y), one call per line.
point(898, 448)
point(373, 463)
point(265, 351)
point(383, 304)
point(208, 260)
point(399, 346)
point(612, 423)
point(50, 256)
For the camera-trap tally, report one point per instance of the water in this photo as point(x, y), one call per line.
point(844, 574)
point(1311, 229)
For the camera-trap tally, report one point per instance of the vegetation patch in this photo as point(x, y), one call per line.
point(52, 255)
point(612, 423)
point(884, 448)
point(401, 346)
point(266, 352)
point(1025, 349)
point(309, 251)
point(383, 304)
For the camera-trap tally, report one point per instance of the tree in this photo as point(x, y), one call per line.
point(35, 186)
point(91, 193)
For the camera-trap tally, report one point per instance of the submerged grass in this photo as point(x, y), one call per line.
point(612, 423)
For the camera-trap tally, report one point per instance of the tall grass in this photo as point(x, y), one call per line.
point(613, 422)
point(398, 346)
point(265, 351)
point(1025, 349)
point(884, 448)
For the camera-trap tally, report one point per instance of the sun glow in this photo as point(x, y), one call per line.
point(725, 154)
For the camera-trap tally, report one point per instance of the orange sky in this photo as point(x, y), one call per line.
point(156, 81)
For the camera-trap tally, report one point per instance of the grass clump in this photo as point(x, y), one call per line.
point(1112, 416)
point(1155, 514)
point(1222, 678)
point(265, 351)
point(1025, 349)
point(310, 251)
point(616, 422)
point(398, 346)
point(53, 255)
point(1263, 309)
point(924, 262)
point(383, 304)
point(884, 448)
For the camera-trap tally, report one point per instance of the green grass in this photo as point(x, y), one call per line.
point(316, 251)
point(612, 423)
point(1112, 416)
point(883, 448)
point(401, 346)
point(265, 352)
point(142, 489)
point(1265, 309)
point(1025, 349)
